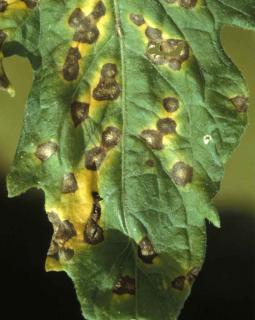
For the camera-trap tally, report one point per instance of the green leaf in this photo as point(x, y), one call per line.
point(134, 110)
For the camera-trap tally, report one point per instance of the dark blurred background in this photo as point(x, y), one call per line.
point(225, 289)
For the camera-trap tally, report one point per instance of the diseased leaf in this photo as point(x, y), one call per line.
point(134, 110)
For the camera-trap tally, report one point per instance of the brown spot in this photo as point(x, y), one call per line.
point(96, 196)
point(53, 250)
point(4, 82)
point(99, 10)
point(66, 253)
point(125, 285)
point(107, 88)
point(69, 183)
point(172, 52)
point(86, 30)
point(71, 66)
point(192, 275)
point(94, 158)
point(182, 173)
point(146, 251)
point(137, 19)
point(241, 103)
point(93, 233)
point(3, 36)
point(110, 137)
point(171, 104)
point(154, 34)
point(175, 64)
point(179, 283)
point(153, 139)
point(45, 150)
point(89, 35)
point(79, 112)
point(31, 3)
point(76, 19)
point(166, 125)
point(150, 163)
point(188, 3)
point(3, 5)
point(64, 232)
point(96, 209)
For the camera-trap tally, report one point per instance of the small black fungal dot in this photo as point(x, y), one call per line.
point(166, 125)
point(45, 150)
point(125, 285)
point(3, 5)
point(153, 139)
point(182, 173)
point(110, 137)
point(79, 112)
point(179, 283)
point(69, 183)
point(94, 158)
point(241, 103)
point(137, 19)
point(146, 251)
point(171, 104)
point(93, 233)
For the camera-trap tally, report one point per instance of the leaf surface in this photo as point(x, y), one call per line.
point(134, 110)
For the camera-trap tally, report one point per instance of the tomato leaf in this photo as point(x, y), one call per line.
point(134, 110)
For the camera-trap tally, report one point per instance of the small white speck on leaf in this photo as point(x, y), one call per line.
point(207, 139)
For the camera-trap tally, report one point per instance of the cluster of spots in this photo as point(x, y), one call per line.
point(124, 285)
point(182, 173)
point(165, 126)
point(45, 150)
point(95, 156)
point(171, 52)
point(146, 251)
point(240, 102)
point(107, 88)
point(31, 4)
point(93, 233)
point(63, 231)
point(69, 184)
point(86, 31)
point(179, 282)
point(154, 138)
point(188, 4)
